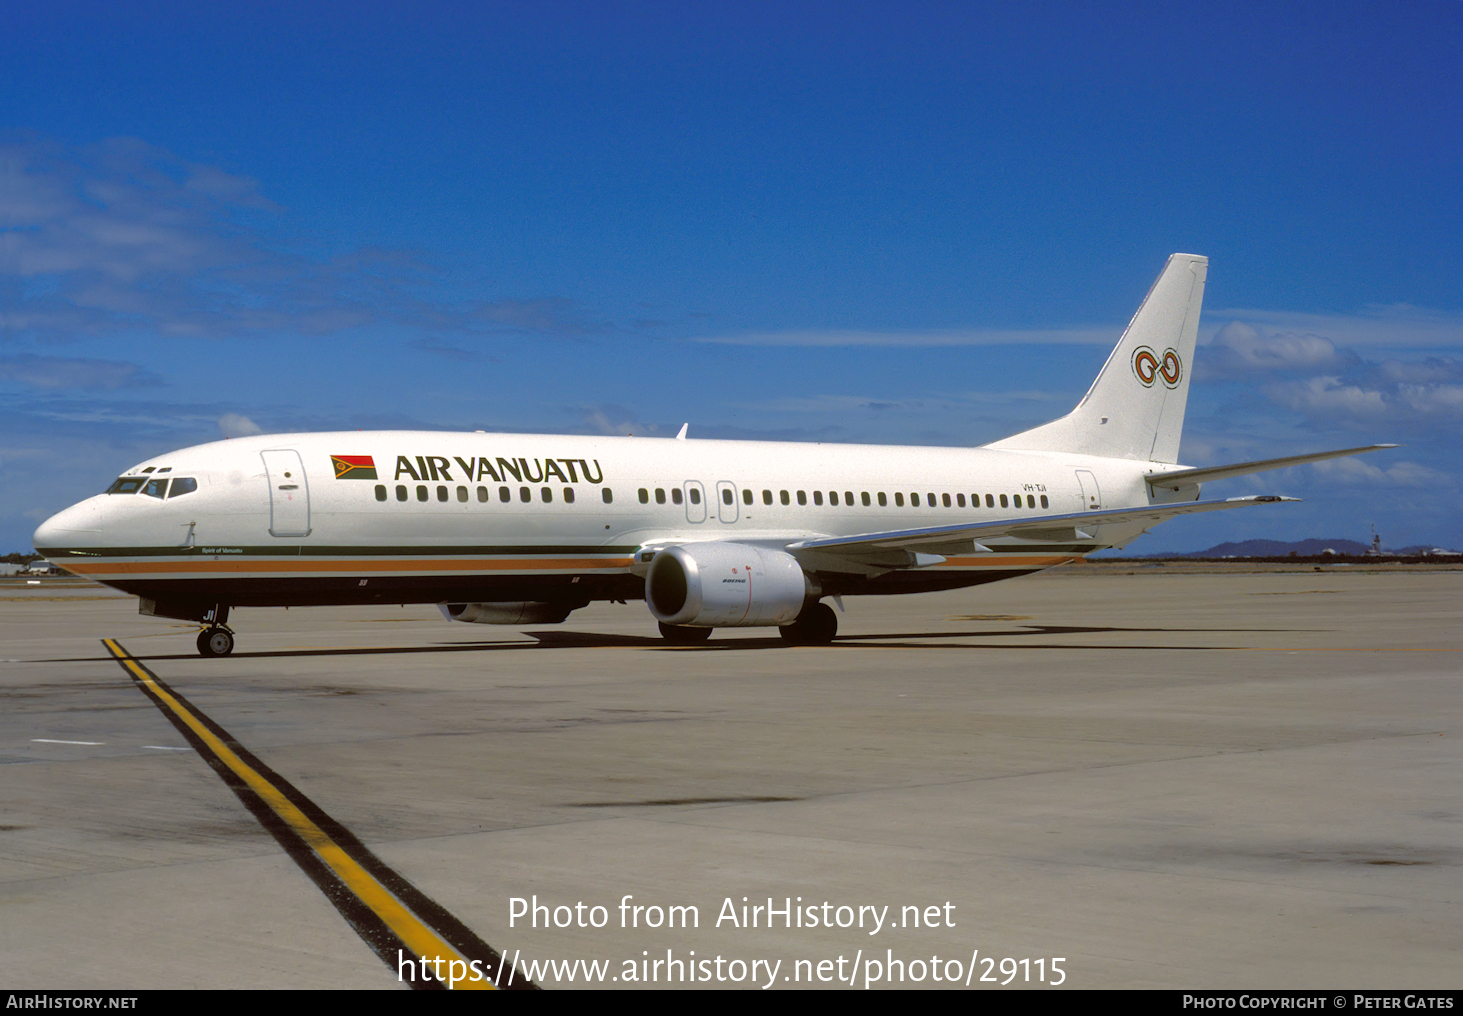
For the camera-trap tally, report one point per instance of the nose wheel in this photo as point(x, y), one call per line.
point(216, 641)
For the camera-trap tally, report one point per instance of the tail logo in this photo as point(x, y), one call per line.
point(1147, 367)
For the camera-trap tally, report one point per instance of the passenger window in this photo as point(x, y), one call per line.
point(817, 497)
point(767, 497)
point(401, 492)
point(462, 494)
point(802, 497)
point(898, 499)
point(676, 494)
point(785, 499)
point(746, 497)
point(607, 494)
point(1003, 500)
point(883, 500)
point(125, 485)
point(959, 501)
point(1030, 501)
point(726, 497)
point(525, 495)
point(644, 496)
point(380, 492)
point(1043, 502)
point(695, 495)
point(482, 495)
point(548, 494)
point(568, 495)
point(156, 488)
point(945, 498)
point(990, 502)
point(865, 497)
point(914, 500)
point(848, 498)
point(833, 497)
point(421, 493)
point(505, 495)
point(441, 493)
point(187, 485)
point(660, 495)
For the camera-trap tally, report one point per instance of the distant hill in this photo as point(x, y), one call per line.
point(1298, 548)
point(1279, 548)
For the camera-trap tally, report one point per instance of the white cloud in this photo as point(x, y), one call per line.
point(934, 337)
point(1373, 327)
point(55, 372)
point(124, 237)
point(1240, 348)
point(1356, 470)
point(235, 425)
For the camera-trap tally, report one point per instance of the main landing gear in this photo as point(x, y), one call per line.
point(683, 635)
point(217, 639)
point(815, 626)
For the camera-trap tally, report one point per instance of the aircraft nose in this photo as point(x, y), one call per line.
point(77, 526)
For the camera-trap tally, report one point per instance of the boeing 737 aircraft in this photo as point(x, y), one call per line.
point(523, 529)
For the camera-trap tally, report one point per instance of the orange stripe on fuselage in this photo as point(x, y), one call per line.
point(319, 564)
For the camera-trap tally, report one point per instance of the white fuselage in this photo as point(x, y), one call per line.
point(500, 517)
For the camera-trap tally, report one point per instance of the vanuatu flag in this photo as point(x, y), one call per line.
point(354, 467)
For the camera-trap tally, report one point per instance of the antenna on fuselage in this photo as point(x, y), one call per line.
point(682, 435)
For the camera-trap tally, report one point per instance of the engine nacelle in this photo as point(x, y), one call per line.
point(508, 612)
point(725, 585)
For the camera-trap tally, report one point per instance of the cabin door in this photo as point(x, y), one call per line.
point(1091, 495)
point(289, 493)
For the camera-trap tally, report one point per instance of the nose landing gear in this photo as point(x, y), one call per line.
point(217, 639)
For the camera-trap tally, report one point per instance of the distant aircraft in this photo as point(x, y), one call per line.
point(524, 529)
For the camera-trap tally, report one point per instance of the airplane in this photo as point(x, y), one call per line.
point(525, 529)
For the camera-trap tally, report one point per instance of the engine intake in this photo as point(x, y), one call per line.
point(725, 585)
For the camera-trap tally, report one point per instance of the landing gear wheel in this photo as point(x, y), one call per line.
point(815, 626)
point(215, 642)
point(683, 635)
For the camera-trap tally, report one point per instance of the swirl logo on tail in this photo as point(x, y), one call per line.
point(1148, 367)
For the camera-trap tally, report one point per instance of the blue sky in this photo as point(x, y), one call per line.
point(923, 223)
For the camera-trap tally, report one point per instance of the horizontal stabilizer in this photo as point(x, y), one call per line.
point(1176, 478)
point(909, 539)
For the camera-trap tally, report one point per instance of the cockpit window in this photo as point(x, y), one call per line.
point(125, 485)
point(182, 485)
point(156, 488)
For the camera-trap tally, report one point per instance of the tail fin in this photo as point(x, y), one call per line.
point(1135, 408)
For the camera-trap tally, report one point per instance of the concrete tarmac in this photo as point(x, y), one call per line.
point(1153, 780)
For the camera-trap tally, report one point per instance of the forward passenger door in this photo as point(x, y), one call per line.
point(289, 493)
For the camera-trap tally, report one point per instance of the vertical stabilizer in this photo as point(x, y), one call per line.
point(1135, 408)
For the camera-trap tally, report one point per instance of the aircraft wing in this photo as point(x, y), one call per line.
point(1059, 528)
point(1176, 478)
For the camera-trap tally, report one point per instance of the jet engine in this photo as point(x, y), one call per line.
point(508, 612)
point(725, 585)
